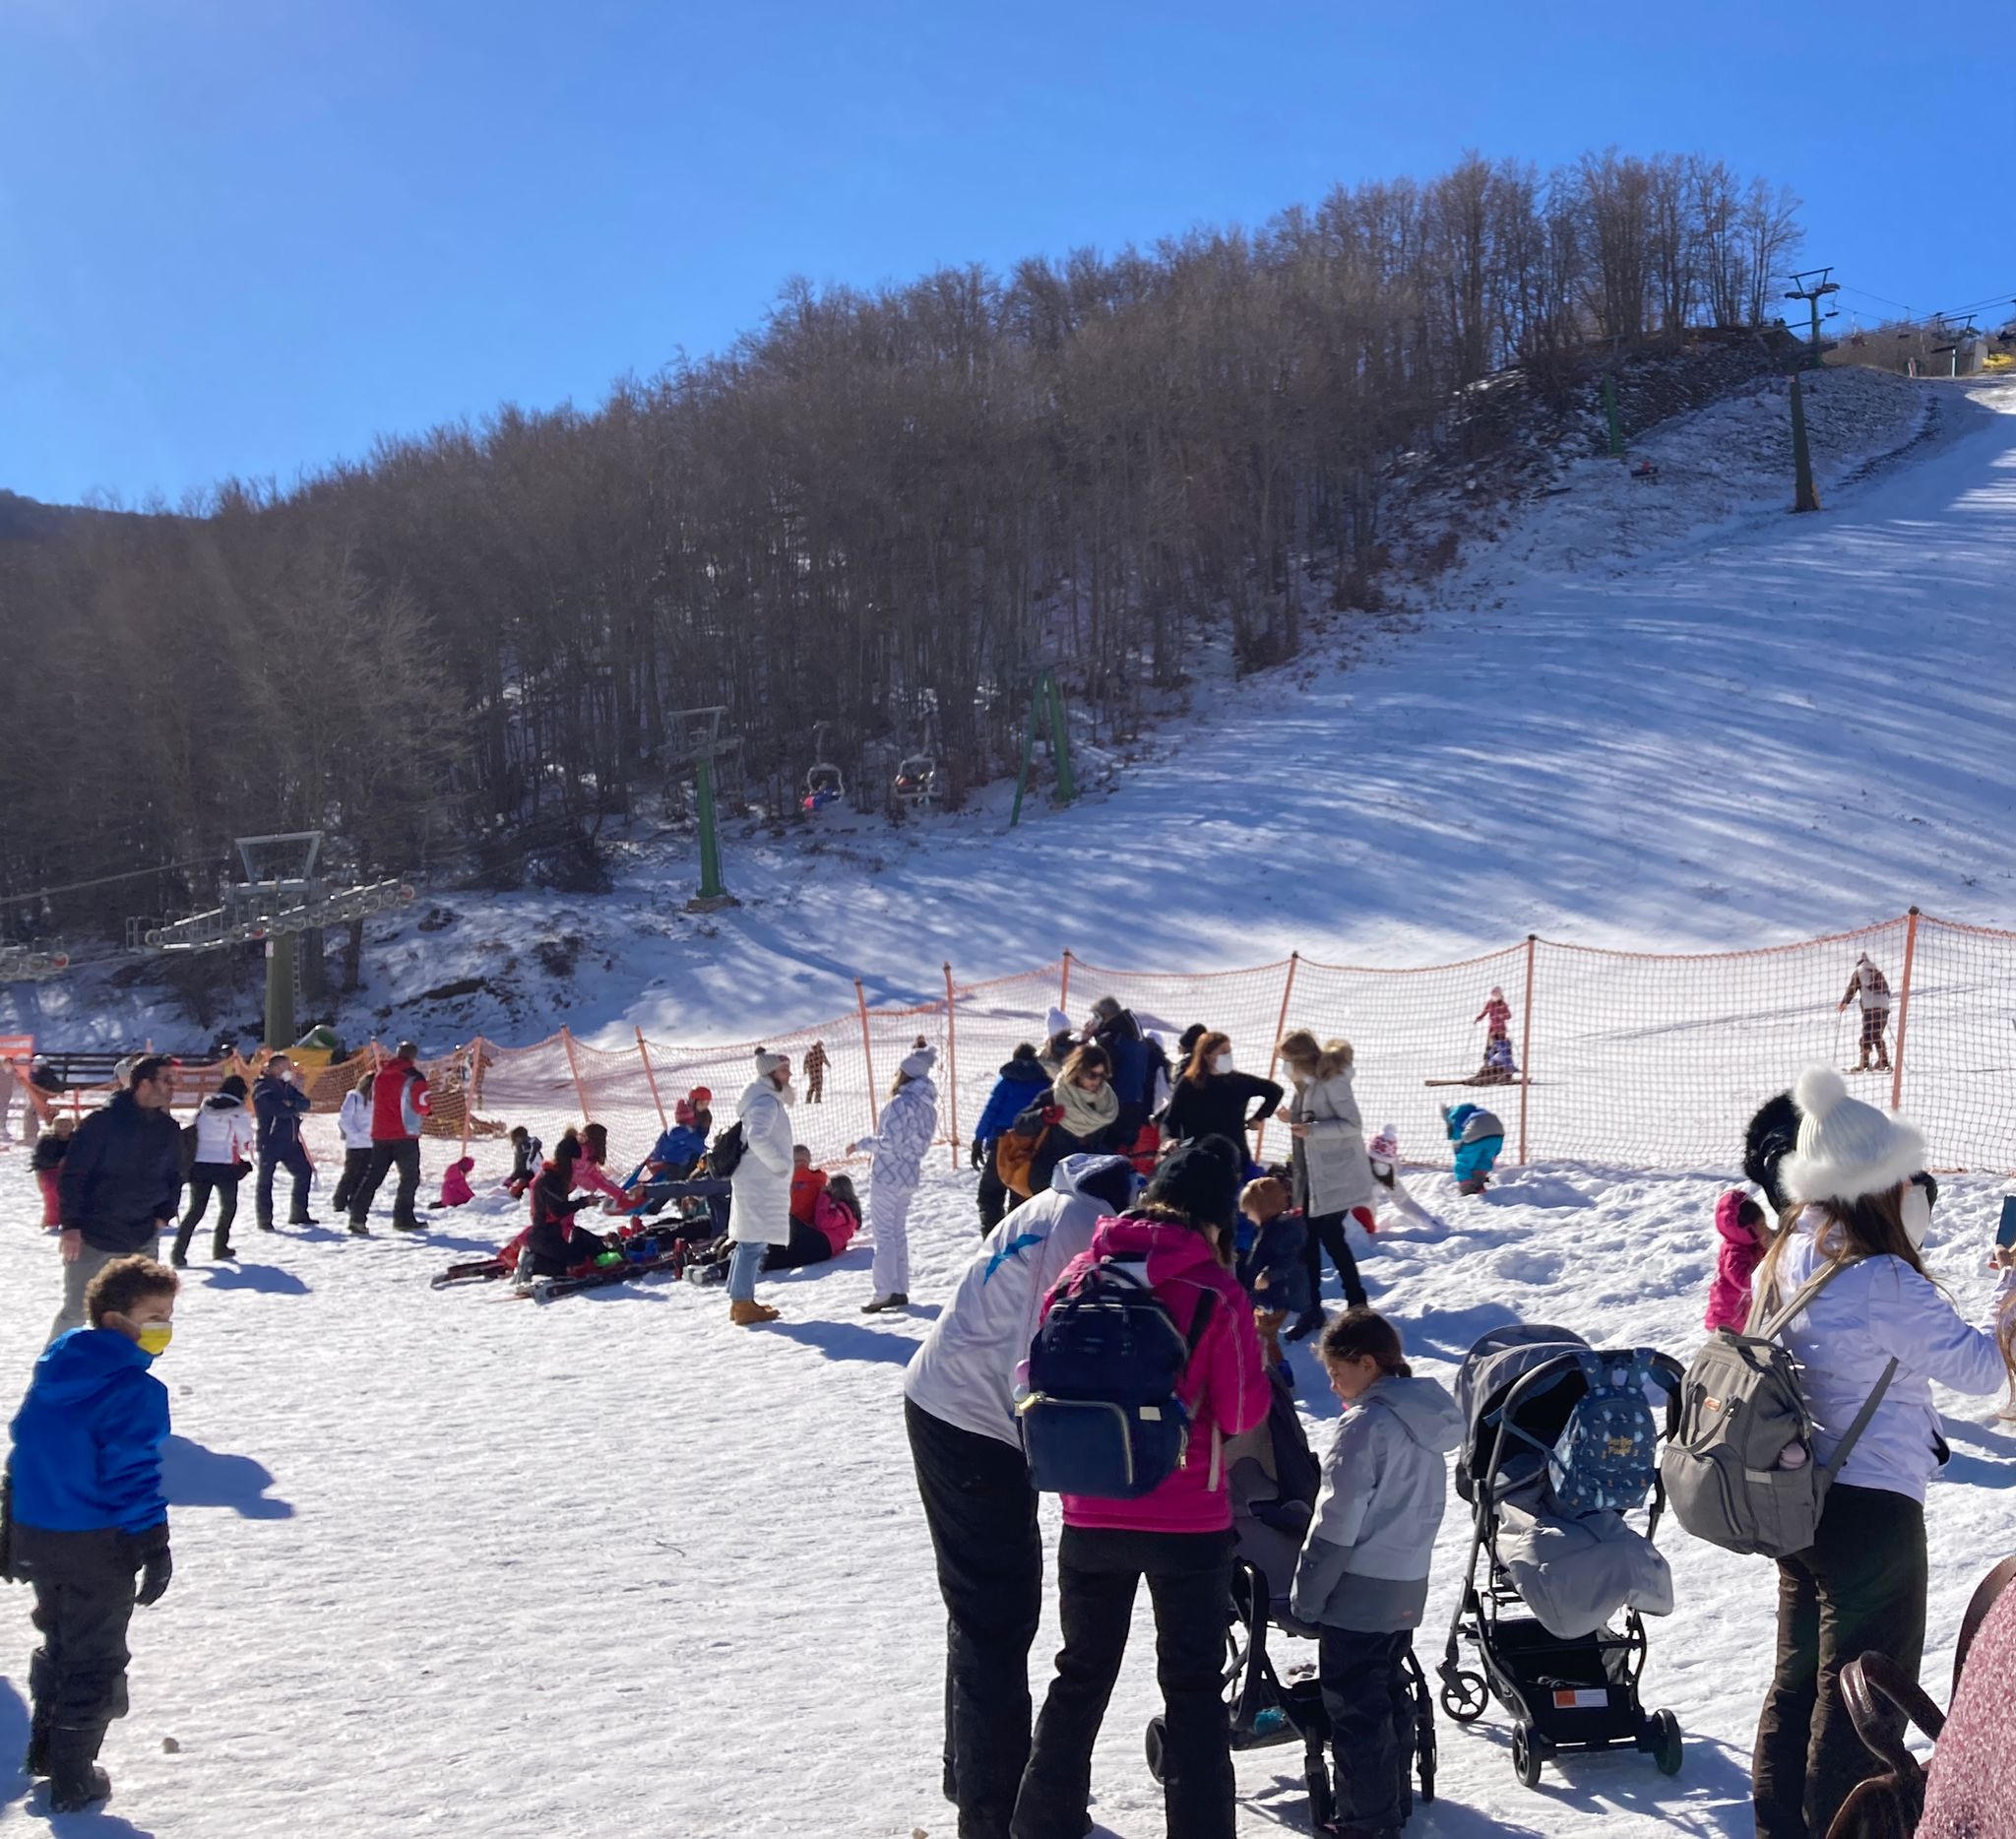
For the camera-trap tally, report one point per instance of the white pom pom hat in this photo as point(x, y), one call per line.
point(918, 1063)
point(1845, 1148)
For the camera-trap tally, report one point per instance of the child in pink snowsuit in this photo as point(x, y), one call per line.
point(1498, 1013)
point(455, 1189)
point(1745, 1237)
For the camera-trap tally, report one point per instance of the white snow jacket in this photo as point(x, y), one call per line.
point(1385, 1483)
point(964, 1371)
point(760, 1189)
point(225, 1131)
point(909, 1121)
point(353, 1121)
point(1331, 1159)
point(1875, 1310)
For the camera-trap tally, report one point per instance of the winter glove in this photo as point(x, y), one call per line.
point(1053, 1114)
point(979, 1154)
point(148, 1550)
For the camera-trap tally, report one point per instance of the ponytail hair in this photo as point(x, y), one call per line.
point(1359, 1333)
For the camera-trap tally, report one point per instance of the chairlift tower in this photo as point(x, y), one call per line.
point(1812, 287)
point(280, 899)
point(698, 742)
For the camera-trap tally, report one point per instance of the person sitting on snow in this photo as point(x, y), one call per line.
point(555, 1244)
point(525, 1155)
point(455, 1189)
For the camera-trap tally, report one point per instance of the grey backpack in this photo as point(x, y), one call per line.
point(1741, 1406)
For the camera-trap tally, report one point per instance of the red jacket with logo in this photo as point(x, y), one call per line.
point(399, 1102)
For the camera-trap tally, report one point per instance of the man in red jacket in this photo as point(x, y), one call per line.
point(399, 1111)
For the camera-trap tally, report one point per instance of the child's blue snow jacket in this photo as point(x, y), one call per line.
point(1022, 1078)
point(88, 1438)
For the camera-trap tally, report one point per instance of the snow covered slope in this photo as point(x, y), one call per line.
point(1662, 713)
point(456, 1564)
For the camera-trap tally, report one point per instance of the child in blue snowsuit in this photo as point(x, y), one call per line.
point(1270, 1264)
point(1479, 1137)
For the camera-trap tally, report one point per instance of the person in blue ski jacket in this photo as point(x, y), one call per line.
point(280, 1105)
point(1479, 1137)
point(83, 1510)
point(1022, 1078)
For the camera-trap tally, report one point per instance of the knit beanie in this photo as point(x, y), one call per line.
point(767, 1062)
point(1202, 1181)
point(1385, 1146)
point(1056, 1023)
point(918, 1063)
point(1845, 1148)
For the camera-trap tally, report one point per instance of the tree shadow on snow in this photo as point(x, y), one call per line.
point(195, 1477)
point(1710, 1794)
point(849, 1340)
point(268, 1279)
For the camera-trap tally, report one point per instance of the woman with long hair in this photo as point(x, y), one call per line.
point(1078, 1114)
point(1178, 1536)
point(909, 1123)
point(1882, 1331)
point(1333, 1175)
point(1213, 1099)
point(557, 1244)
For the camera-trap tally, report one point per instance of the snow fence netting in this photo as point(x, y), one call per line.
point(1636, 1059)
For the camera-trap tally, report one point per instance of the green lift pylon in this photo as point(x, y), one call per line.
point(1046, 707)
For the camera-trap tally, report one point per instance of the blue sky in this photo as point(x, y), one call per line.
point(243, 238)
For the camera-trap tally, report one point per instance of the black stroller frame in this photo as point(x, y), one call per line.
point(1578, 1693)
point(1266, 1710)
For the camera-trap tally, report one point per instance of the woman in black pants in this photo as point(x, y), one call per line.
point(226, 1136)
point(1880, 1329)
point(1333, 1175)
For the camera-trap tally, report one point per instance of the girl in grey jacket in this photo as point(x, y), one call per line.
point(1364, 1575)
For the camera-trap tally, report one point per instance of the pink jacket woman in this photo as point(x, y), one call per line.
point(1225, 1386)
point(1728, 1295)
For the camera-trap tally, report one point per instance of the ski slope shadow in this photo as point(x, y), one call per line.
point(15, 1784)
point(849, 1340)
point(268, 1279)
point(1710, 1794)
point(1284, 1802)
point(195, 1477)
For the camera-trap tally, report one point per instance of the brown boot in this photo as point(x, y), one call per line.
point(750, 1314)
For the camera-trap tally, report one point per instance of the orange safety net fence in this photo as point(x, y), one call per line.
point(1629, 1058)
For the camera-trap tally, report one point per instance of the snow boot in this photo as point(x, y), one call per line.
point(412, 1225)
point(220, 1249)
point(750, 1314)
point(75, 1782)
point(896, 1300)
point(1305, 1325)
point(302, 1219)
point(359, 1228)
point(179, 1259)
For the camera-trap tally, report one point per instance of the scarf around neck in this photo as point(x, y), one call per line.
point(1086, 1113)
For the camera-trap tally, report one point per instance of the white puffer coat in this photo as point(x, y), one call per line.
point(760, 1200)
point(1330, 1162)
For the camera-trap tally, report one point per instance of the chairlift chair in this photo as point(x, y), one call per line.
point(825, 783)
point(917, 779)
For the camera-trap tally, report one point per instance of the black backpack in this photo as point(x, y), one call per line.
point(725, 1157)
point(1103, 1415)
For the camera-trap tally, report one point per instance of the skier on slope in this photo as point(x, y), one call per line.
point(1871, 989)
point(909, 1121)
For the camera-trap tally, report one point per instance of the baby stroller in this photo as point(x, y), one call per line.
point(1562, 1442)
point(1274, 1477)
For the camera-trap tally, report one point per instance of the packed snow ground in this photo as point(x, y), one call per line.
point(452, 1563)
point(1658, 715)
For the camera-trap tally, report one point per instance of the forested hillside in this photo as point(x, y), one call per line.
point(883, 510)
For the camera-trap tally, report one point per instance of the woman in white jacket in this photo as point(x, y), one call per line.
point(1879, 1328)
point(909, 1121)
point(760, 1189)
point(354, 1125)
point(226, 1136)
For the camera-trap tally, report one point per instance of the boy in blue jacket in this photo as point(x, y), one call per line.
point(84, 1510)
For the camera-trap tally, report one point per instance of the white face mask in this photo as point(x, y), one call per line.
point(1917, 1215)
point(1223, 1063)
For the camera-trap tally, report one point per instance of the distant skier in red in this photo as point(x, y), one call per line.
point(1871, 989)
point(1499, 1067)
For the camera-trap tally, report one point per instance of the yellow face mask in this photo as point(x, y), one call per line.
point(154, 1338)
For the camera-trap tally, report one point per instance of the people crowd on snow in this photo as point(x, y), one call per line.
point(1098, 1160)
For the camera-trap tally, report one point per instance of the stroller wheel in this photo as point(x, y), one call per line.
point(1664, 1740)
point(1158, 1732)
point(1465, 1696)
point(1530, 1750)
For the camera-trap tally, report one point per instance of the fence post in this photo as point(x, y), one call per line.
point(644, 1055)
point(1526, 1046)
point(1288, 991)
point(867, 1057)
point(952, 1062)
point(1903, 1008)
point(574, 1065)
point(1064, 995)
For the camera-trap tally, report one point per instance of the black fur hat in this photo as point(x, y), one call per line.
point(1772, 1134)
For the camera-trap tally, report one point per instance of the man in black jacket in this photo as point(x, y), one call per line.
point(281, 1104)
point(121, 1183)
